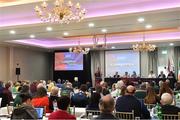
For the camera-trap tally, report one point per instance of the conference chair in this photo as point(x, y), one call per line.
point(171, 116)
point(125, 115)
point(92, 113)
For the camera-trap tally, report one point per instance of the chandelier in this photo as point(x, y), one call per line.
point(96, 41)
point(78, 49)
point(144, 46)
point(61, 12)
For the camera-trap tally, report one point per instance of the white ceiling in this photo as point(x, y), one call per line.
point(22, 19)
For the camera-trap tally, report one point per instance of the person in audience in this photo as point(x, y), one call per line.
point(128, 102)
point(80, 99)
point(6, 92)
point(50, 85)
point(26, 110)
point(113, 88)
point(161, 75)
point(123, 90)
point(63, 104)
point(141, 93)
point(151, 97)
point(76, 83)
point(116, 75)
point(33, 88)
point(167, 108)
point(165, 89)
point(151, 75)
point(18, 100)
point(88, 84)
point(98, 89)
point(177, 88)
point(105, 90)
point(117, 92)
point(106, 106)
point(134, 75)
point(155, 87)
point(53, 97)
point(126, 75)
point(94, 101)
point(172, 78)
point(41, 99)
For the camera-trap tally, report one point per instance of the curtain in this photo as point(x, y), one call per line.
point(153, 61)
point(177, 60)
point(97, 60)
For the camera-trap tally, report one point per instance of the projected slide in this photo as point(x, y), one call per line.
point(121, 61)
point(68, 61)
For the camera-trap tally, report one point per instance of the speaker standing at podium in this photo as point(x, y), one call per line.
point(18, 72)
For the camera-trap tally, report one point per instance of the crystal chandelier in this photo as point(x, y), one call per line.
point(61, 12)
point(78, 49)
point(144, 46)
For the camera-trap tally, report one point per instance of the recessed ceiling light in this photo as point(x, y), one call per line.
point(171, 44)
point(12, 32)
point(91, 25)
point(32, 36)
point(65, 33)
point(141, 19)
point(49, 28)
point(104, 30)
point(113, 47)
point(148, 26)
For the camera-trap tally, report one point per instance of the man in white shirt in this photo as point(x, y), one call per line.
point(151, 75)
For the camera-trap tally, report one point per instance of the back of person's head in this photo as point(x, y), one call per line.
point(130, 90)
point(165, 89)
point(166, 99)
point(98, 89)
point(106, 104)
point(83, 87)
point(63, 102)
point(25, 97)
point(95, 97)
point(119, 84)
point(7, 85)
point(54, 91)
point(123, 90)
point(25, 89)
point(40, 85)
point(41, 92)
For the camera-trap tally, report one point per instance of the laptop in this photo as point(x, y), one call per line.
point(40, 111)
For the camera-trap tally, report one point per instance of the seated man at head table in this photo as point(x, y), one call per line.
point(151, 75)
point(126, 75)
point(161, 75)
point(134, 75)
point(116, 75)
point(167, 108)
point(106, 106)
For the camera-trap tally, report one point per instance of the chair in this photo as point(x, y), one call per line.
point(92, 112)
point(171, 116)
point(125, 115)
point(150, 106)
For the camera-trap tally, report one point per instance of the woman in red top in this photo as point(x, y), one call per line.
point(41, 99)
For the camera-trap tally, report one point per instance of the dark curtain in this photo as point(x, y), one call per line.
point(177, 59)
point(152, 61)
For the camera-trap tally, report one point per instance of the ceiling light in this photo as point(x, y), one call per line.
point(104, 30)
point(32, 36)
point(141, 19)
point(91, 25)
point(65, 33)
point(12, 32)
point(49, 28)
point(148, 26)
point(113, 47)
point(171, 44)
point(61, 12)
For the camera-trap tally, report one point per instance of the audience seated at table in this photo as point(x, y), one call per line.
point(63, 104)
point(53, 97)
point(18, 100)
point(167, 107)
point(106, 106)
point(41, 99)
point(94, 101)
point(151, 96)
point(26, 110)
point(80, 99)
point(128, 102)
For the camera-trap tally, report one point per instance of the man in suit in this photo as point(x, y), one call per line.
point(116, 75)
point(167, 108)
point(129, 102)
point(106, 106)
point(161, 75)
